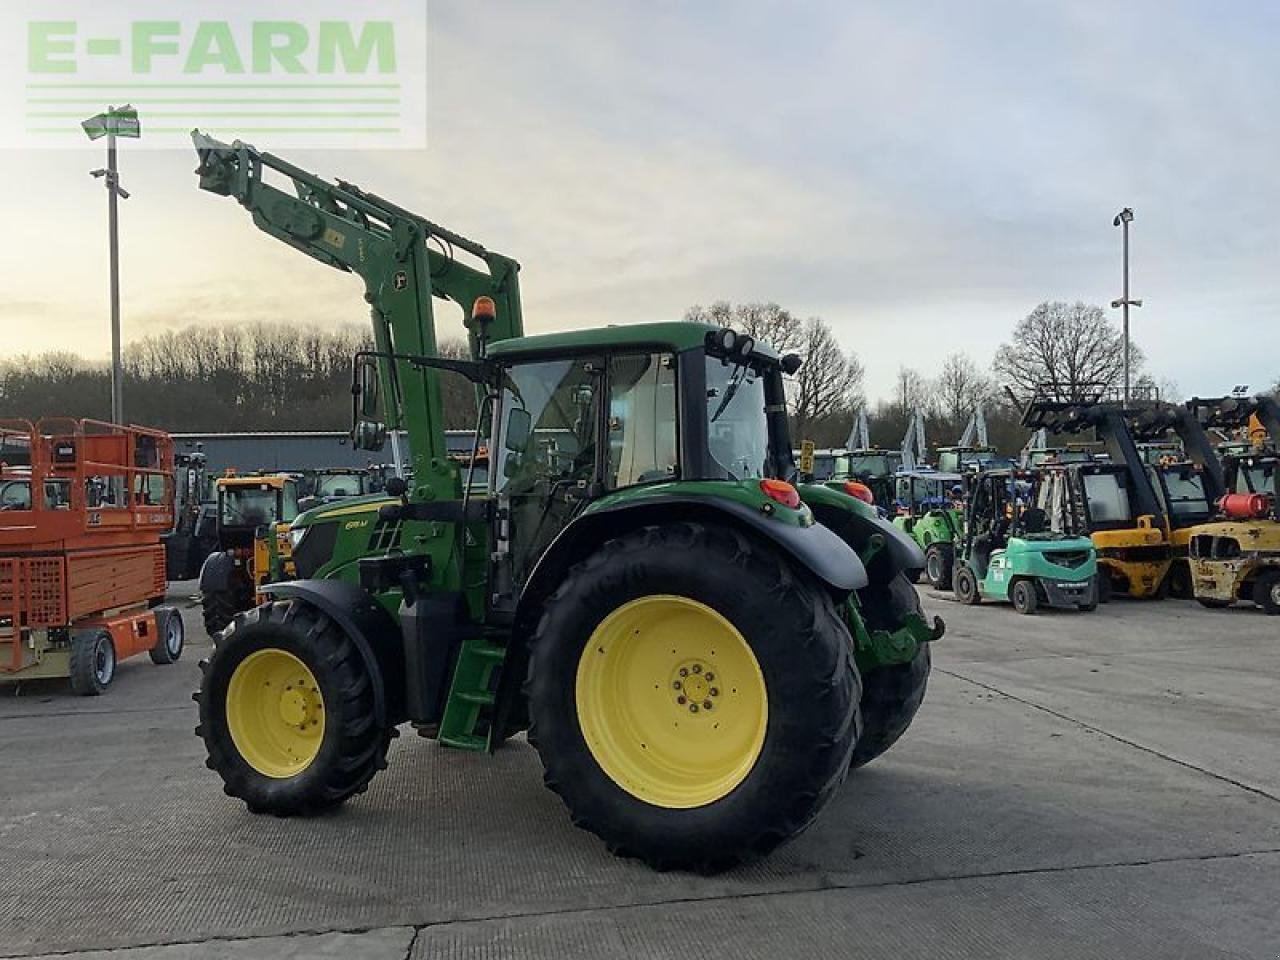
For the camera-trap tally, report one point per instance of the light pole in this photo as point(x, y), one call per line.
point(1123, 219)
point(116, 122)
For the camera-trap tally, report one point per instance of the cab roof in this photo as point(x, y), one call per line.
point(672, 335)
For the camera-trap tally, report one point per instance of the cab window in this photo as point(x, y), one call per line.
point(642, 420)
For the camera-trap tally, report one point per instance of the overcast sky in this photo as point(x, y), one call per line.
point(920, 174)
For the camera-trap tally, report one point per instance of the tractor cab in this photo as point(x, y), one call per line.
point(1009, 551)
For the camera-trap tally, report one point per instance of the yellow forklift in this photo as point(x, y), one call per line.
point(1237, 556)
point(1114, 502)
point(1186, 473)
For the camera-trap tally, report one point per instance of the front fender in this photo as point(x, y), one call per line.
point(857, 523)
point(369, 626)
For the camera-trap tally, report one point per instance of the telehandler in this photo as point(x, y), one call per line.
point(253, 516)
point(1237, 557)
point(699, 649)
point(1115, 502)
point(1188, 477)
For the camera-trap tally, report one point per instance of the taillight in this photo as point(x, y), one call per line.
point(860, 490)
point(780, 491)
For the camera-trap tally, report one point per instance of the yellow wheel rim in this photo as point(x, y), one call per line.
point(671, 701)
point(275, 713)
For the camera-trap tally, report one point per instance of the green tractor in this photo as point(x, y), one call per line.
point(1008, 554)
point(929, 512)
point(698, 649)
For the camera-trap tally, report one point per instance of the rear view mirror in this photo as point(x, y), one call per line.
point(519, 427)
point(369, 435)
point(367, 387)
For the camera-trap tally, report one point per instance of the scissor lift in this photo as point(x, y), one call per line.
point(83, 506)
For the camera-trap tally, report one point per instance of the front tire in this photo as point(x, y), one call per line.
point(891, 696)
point(170, 636)
point(965, 585)
point(93, 663)
point(1266, 593)
point(1024, 597)
point(287, 712)
point(673, 783)
point(938, 562)
point(219, 608)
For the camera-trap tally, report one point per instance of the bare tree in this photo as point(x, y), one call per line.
point(828, 383)
point(960, 388)
point(911, 391)
point(1068, 350)
point(765, 322)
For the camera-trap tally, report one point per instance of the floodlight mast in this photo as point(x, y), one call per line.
point(121, 122)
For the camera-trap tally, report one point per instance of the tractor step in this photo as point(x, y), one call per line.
point(468, 713)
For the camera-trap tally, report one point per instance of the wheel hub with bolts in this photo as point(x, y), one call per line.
point(671, 701)
point(275, 713)
point(694, 687)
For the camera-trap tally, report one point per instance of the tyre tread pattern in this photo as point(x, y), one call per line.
point(817, 628)
point(347, 762)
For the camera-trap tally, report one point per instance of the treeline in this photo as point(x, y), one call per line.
point(207, 379)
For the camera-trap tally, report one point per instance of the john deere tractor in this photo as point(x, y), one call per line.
point(1008, 553)
point(698, 649)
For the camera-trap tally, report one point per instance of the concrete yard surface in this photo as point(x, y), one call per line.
point(1077, 785)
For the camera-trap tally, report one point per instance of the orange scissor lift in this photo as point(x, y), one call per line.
point(83, 505)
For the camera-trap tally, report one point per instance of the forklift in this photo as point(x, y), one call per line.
point(1113, 501)
point(253, 516)
point(1186, 473)
point(699, 648)
point(1237, 555)
point(1008, 553)
point(930, 511)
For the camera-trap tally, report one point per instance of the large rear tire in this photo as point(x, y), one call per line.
point(891, 696)
point(287, 712)
point(640, 638)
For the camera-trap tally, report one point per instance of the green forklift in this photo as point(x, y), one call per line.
point(930, 511)
point(1007, 552)
point(698, 648)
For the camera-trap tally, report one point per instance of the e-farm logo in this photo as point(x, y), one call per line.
point(283, 73)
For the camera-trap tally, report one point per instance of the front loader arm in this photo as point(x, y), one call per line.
point(387, 247)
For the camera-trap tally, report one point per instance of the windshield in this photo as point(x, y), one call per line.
point(737, 429)
point(1257, 477)
point(1184, 495)
point(339, 485)
point(248, 506)
point(1108, 499)
point(873, 464)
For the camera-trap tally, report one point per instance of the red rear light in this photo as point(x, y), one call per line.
point(781, 491)
point(860, 490)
